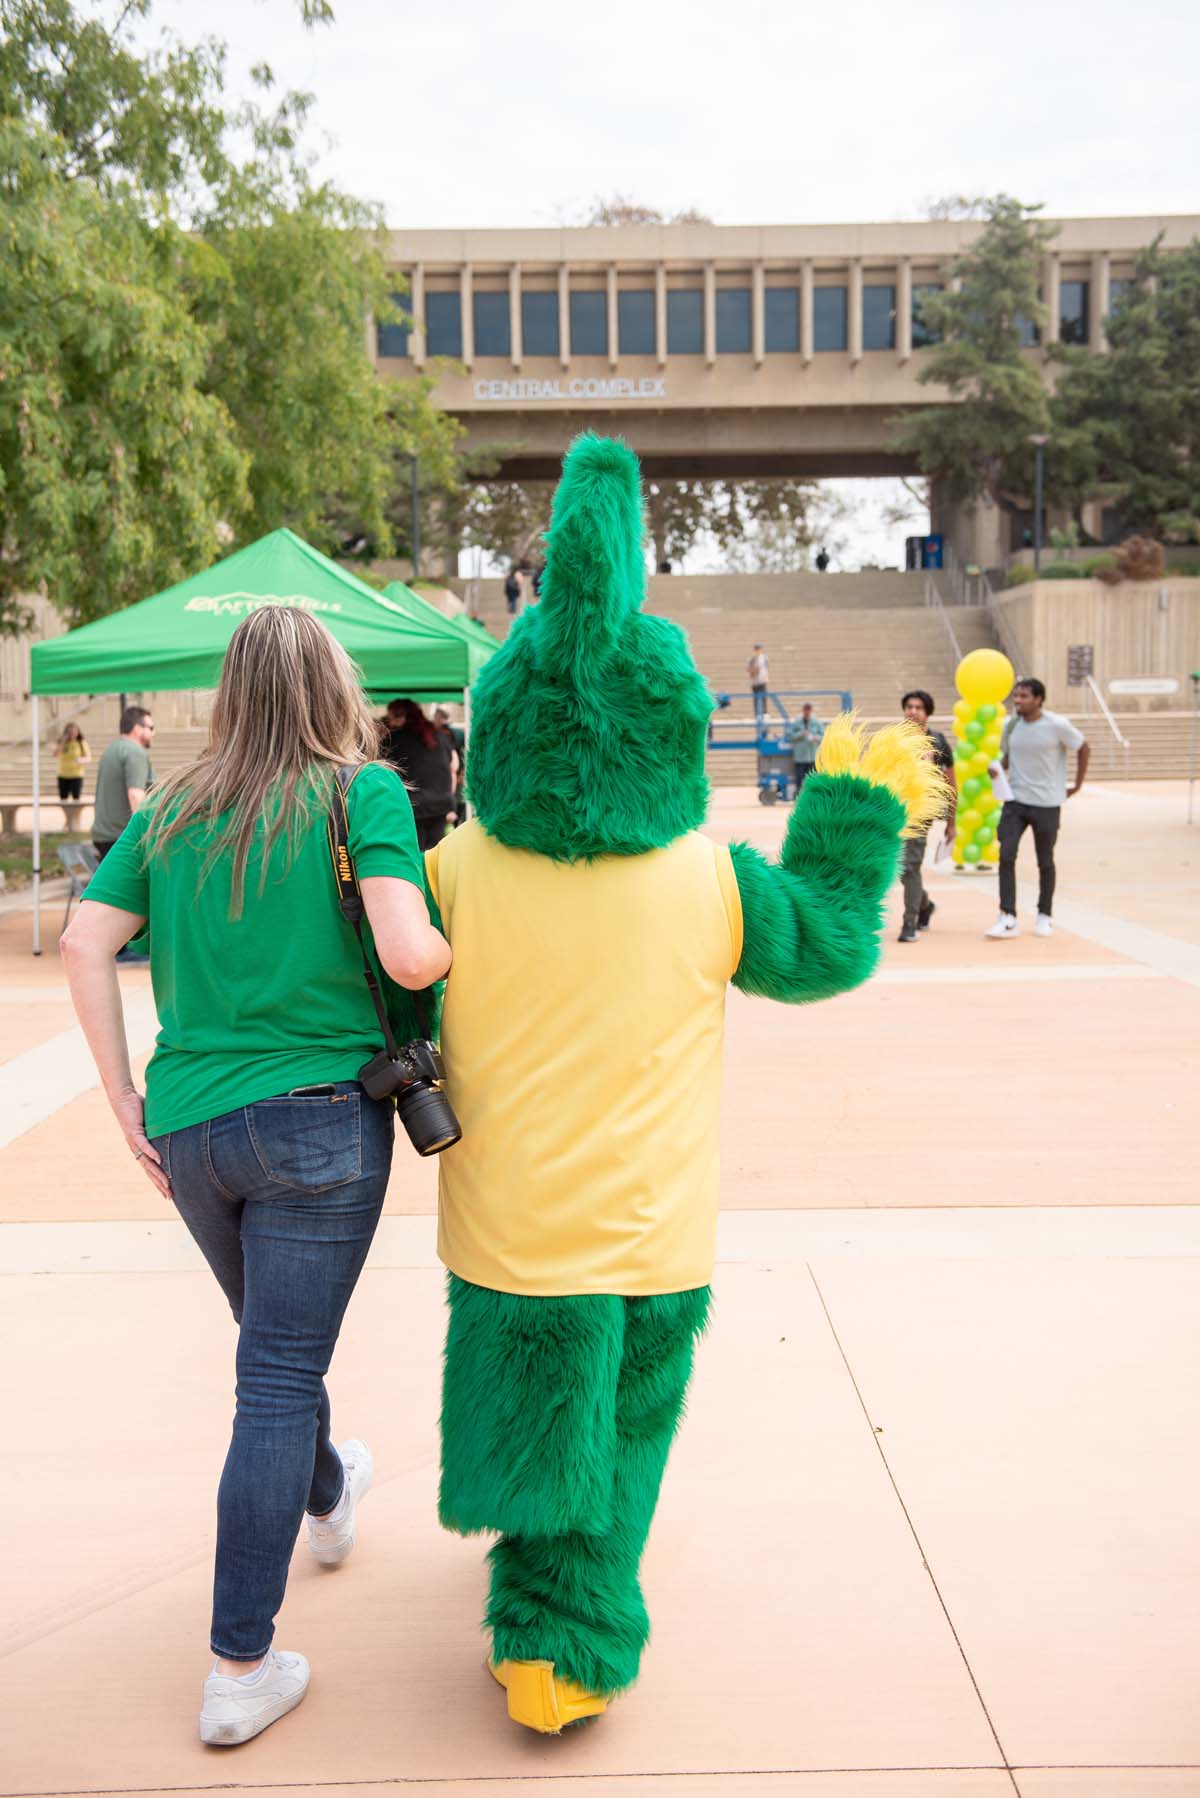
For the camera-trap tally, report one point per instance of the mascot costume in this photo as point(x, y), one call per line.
point(594, 932)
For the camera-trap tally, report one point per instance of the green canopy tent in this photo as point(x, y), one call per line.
point(475, 633)
point(178, 639)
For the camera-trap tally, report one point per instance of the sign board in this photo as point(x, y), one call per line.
point(1081, 664)
point(1150, 683)
point(618, 387)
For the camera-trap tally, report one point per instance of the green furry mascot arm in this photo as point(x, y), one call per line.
point(812, 921)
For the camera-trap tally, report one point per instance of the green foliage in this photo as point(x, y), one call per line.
point(1061, 571)
point(1126, 425)
point(119, 470)
point(1102, 564)
point(1065, 536)
point(1020, 575)
point(184, 362)
point(978, 445)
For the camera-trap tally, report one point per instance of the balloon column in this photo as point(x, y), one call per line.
point(984, 680)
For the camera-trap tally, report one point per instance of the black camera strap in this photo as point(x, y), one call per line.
point(351, 903)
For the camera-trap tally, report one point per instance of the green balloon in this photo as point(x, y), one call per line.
point(974, 731)
point(972, 852)
point(986, 713)
point(983, 836)
point(971, 787)
point(963, 751)
point(993, 817)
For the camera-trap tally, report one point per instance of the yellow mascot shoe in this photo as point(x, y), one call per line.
point(539, 1700)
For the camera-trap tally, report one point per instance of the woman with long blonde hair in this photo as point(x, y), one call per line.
point(254, 1121)
point(73, 757)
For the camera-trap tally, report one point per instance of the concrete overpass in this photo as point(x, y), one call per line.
point(716, 350)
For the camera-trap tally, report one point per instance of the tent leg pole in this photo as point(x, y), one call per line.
point(37, 827)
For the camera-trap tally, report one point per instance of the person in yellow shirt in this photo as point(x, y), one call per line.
point(73, 757)
point(595, 931)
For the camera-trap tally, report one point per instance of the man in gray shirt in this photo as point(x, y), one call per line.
point(122, 778)
point(1034, 750)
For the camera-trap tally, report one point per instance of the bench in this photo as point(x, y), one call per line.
point(10, 804)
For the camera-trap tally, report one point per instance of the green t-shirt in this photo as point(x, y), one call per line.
point(250, 1007)
point(124, 764)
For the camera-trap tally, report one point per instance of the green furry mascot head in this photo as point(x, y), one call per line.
point(588, 728)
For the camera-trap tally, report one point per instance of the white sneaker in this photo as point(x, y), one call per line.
point(233, 1711)
point(1005, 925)
point(331, 1538)
point(1044, 925)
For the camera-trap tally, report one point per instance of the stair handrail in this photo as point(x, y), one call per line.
point(1093, 687)
point(1000, 624)
point(933, 598)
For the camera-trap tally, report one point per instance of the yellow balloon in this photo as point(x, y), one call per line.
point(963, 712)
point(992, 744)
point(985, 677)
point(980, 762)
point(957, 850)
point(969, 821)
point(992, 852)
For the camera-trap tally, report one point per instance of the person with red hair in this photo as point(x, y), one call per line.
point(425, 758)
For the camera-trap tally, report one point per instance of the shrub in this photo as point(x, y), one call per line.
point(1140, 559)
point(1020, 575)
point(1061, 571)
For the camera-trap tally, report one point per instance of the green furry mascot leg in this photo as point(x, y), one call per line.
point(557, 1421)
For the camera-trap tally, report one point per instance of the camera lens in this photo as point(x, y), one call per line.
point(428, 1116)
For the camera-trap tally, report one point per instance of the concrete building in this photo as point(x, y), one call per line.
point(719, 350)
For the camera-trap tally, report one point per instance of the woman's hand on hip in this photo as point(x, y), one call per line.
point(129, 1108)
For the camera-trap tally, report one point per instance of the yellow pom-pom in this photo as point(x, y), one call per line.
point(896, 757)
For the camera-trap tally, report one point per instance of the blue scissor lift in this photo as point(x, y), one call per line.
point(772, 735)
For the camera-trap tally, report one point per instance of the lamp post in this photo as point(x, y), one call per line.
point(1039, 443)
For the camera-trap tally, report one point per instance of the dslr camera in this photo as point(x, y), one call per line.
point(414, 1077)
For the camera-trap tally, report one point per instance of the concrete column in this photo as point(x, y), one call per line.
point(904, 309)
point(1098, 300)
point(758, 308)
point(612, 315)
point(514, 313)
point(710, 313)
point(660, 312)
point(806, 312)
point(466, 289)
point(564, 314)
point(1050, 298)
point(854, 303)
point(416, 305)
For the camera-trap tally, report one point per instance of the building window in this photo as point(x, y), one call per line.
point(922, 334)
point(685, 321)
point(443, 324)
point(1028, 334)
point(635, 321)
point(589, 324)
point(392, 339)
point(539, 324)
point(781, 319)
point(829, 318)
point(1117, 290)
point(733, 321)
point(493, 336)
point(879, 318)
point(1073, 311)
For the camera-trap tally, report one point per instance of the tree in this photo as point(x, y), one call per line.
point(977, 444)
point(620, 209)
point(1126, 425)
point(163, 223)
point(118, 468)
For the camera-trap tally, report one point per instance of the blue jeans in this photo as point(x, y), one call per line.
point(759, 695)
point(282, 1199)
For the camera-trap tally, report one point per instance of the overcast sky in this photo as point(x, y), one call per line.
point(469, 112)
point(756, 111)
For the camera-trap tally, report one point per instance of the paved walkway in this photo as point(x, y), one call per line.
point(929, 1530)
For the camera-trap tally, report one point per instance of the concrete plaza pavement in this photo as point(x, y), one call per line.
point(929, 1528)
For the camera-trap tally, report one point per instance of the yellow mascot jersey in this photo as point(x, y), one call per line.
point(583, 1030)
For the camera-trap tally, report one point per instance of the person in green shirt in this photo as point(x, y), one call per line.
point(254, 1121)
point(123, 778)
